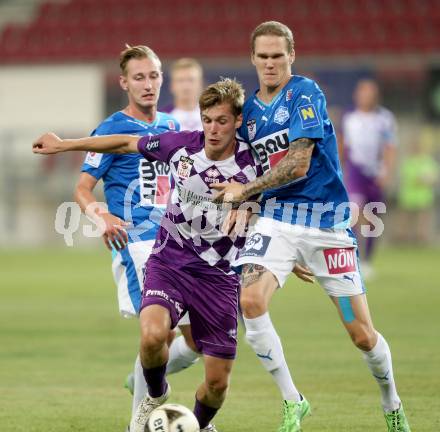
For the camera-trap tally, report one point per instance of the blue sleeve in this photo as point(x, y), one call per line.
point(308, 113)
point(160, 147)
point(97, 164)
point(241, 133)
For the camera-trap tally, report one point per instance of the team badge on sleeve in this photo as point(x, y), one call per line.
point(93, 159)
point(184, 167)
point(252, 128)
point(281, 115)
point(309, 116)
point(171, 125)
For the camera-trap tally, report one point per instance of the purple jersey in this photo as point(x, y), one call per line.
point(192, 219)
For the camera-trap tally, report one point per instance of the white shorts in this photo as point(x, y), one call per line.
point(330, 254)
point(128, 273)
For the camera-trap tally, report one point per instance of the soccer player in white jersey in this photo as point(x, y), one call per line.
point(304, 219)
point(369, 142)
point(136, 192)
point(190, 268)
point(186, 84)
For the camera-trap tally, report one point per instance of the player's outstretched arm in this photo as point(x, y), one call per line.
point(49, 143)
point(112, 227)
point(294, 165)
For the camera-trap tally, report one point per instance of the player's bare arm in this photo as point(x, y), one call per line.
point(50, 143)
point(114, 233)
point(295, 164)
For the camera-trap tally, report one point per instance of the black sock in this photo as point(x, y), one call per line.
point(204, 413)
point(156, 382)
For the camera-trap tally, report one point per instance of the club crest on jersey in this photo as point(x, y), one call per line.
point(184, 167)
point(152, 145)
point(289, 94)
point(93, 159)
point(171, 125)
point(341, 260)
point(252, 128)
point(256, 245)
point(281, 115)
point(211, 175)
point(241, 177)
point(308, 115)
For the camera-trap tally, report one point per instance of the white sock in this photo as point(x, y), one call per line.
point(266, 343)
point(380, 365)
point(140, 386)
point(181, 356)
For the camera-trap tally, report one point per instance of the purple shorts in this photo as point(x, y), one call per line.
point(211, 300)
point(362, 189)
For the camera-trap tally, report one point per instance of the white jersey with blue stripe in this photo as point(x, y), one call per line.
point(136, 190)
point(299, 111)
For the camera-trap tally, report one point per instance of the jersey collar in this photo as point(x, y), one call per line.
point(276, 98)
point(153, 124)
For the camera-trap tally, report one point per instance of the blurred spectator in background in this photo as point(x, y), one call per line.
point(419, 174)
point(369, 143)
point(186, 75)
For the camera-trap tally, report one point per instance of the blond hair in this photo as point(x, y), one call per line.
point(273, 28)
point(186, 63)
point(136, 52)
point(224, 91)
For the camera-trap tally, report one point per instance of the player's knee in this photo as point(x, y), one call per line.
point(154, 338)
point(365, 339)
point(217, 386)
point(252, 304)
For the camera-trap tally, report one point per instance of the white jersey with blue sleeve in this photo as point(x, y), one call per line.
point(318, 199)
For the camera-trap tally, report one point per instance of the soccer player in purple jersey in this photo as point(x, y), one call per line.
point(147, 183)
point(190, 269)
point(304, 219)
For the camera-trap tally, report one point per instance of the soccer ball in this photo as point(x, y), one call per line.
point(172, 418)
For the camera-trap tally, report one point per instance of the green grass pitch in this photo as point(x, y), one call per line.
point(64, 351)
